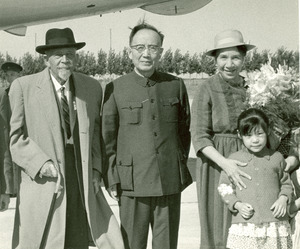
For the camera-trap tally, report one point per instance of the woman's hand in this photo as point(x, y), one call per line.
point(231, 168)
point(291, 163)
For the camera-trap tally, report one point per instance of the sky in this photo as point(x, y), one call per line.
point(268, 24)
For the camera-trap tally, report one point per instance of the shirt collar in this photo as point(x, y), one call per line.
point(57, 85)
point(265, 153)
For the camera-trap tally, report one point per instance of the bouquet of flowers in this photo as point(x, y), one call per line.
point(276, 92)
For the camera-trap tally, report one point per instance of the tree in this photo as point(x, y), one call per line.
point(282, 57)
point(101, 62)
point(113, 63)
point(176, 62)
point(207, 64)
point(86, 63)
point(126, 63)
point(166, 62)
point(28, 63)
point(194, 65)
point(185, 63)
point(2, 60)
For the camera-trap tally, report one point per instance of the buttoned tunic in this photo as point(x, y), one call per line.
point(146, 132)
point(269, 181)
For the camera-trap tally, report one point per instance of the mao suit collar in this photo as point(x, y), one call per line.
point(143, 81)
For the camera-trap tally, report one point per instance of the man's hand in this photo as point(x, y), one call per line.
point(279, 206)
point(113, 192)
point(48, 169)
point(96, 180)
point(245, 209)
point(4, 202)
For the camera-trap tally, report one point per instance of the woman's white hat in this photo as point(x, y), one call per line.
point(227, 39)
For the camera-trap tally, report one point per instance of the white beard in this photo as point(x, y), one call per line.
point(64, 74)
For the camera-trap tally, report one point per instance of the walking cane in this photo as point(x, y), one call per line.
point(51, 211)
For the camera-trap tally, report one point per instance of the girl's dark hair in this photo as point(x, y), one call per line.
point(251, 119)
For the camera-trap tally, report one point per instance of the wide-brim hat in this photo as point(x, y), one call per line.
point(59, 38)
point(11, 66)
point(228, 39)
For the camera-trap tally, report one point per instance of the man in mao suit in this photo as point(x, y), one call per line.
point(6, 170)
point(145, 128)
point(55, 129)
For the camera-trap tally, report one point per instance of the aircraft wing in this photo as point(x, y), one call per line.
point(16, 15)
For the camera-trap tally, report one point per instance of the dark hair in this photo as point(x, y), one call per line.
point(242, 50)
point(144, 25)
point(251, 119)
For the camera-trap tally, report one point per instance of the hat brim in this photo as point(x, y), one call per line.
point(43, 48)
point(211, 52)
point(11, 66)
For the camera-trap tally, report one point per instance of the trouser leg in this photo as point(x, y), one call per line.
point(135, 220)
point(165, 221)
point(76, 221)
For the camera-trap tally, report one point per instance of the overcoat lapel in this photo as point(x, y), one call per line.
point(81, 105)
point(81, 97)
point(47, 100)
point(72, 104)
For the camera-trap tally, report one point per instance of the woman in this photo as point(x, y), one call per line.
point(215, 110)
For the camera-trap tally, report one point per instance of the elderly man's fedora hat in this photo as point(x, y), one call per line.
point(59, 38)
point(228, 39)
point(11, 66)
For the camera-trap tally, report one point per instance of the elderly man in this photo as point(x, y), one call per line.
point(55, 130)
point(146, 120)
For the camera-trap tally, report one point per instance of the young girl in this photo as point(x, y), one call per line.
point(260, 217)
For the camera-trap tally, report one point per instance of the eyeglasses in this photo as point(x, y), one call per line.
point(153, 49)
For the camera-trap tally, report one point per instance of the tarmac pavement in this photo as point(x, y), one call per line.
point(189, 231)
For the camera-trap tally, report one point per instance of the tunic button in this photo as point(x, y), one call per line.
point(152, 100)
point(153, 117)
point(155, 134)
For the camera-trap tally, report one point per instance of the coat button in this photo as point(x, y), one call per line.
point(152, 100)
point(153, 117)
point(155, 134)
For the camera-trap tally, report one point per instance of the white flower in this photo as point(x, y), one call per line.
point(225, 189)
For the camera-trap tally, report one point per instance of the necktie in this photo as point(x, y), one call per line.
point(65, 109)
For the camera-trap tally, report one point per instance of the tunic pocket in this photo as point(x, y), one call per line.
point(131, 113)
point(125, 171)
point(170, 109)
